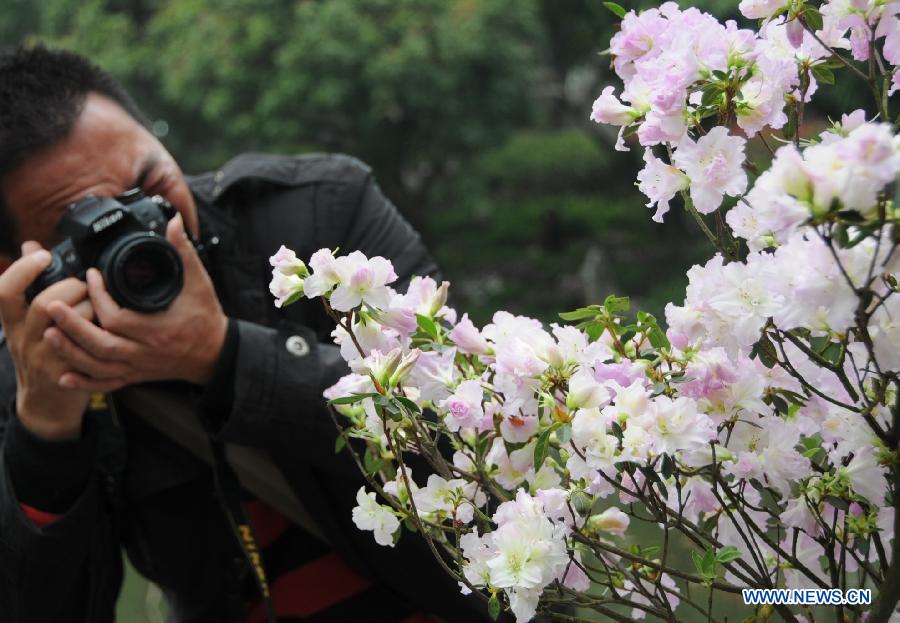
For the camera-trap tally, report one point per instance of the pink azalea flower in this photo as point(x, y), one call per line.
point(714, 164)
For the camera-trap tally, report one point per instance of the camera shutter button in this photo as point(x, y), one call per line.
point(297, 346)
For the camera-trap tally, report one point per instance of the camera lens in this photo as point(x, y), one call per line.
point(142, 271)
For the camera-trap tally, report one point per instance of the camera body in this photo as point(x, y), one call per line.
point(125, 238)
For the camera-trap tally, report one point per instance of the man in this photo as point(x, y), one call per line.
point(75, 485)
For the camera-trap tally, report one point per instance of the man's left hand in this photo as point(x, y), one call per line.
point(182, 342)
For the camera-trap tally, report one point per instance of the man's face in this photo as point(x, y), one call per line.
point(106, 153)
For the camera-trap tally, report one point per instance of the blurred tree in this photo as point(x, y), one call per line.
point(412, 86)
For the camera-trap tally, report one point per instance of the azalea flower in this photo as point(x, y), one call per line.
point(370, 515)
point(714, 165)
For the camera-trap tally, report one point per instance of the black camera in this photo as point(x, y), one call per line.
point(125, 238)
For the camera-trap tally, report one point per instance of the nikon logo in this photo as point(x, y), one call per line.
point(110, 219)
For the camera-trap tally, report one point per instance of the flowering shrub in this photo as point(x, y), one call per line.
point(760, 430)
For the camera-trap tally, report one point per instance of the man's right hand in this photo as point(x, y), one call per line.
point(45, 408)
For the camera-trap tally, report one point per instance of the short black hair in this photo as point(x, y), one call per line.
point(42, 94)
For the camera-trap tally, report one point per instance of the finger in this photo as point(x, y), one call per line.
point(180, 196)
point(75, 380)
point(111, 315)
point(85, 310)
point(82, 361)
point(193, 266)
point(177, 236)
point(30, 246)
point(97, 341)
point(15, 280)
point(66, 292)
point(69, 291)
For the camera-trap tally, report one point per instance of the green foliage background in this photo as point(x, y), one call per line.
point(473, 113)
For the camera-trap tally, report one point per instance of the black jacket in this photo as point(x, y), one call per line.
point(162, 508)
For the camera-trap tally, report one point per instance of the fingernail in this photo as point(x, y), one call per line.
point(53, 339)
point(56, 313)
point(41, 257)
point(65, 381)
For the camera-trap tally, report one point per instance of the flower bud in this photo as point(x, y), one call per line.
point(585, 392)
point(581, 502)
point(439, 300)
point(403, 368)
point(611, 520)
point(286, 262)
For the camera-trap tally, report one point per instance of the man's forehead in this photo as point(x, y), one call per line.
point(105, 147)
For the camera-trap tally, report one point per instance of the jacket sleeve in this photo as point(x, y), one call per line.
point(69, 569)
point(281, 371)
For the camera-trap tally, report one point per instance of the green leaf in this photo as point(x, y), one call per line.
point(667, 467)
point(542, 447)
point(293, 298)
point(594, 331)
point(349, 400)
point(698, 562)
point(841, 236)
point(765, 351)
point(617, 304)
point(651, 328)
point(616, 430)
point(409, 404)
point(650, 474)
point(711, 96)
point(427, 325)
point(581, 313)
point(658, 338)
point(811, 442)
point(790, 129)
point(494, 606)
point(823, 75)
point(808, 454)
point(780, 404)
point(813, 19)
point(393, 413)
point(708, 563)
point(891, 280)
point(340, 442)
point(372, 462)
point(727, 554)
point(564, 433)
point(617, 9)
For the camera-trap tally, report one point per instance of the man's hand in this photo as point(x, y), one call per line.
point(183, 342)
point(45, 408)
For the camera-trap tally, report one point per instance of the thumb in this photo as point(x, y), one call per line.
point(177, 236)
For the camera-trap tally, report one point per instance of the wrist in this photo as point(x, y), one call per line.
point(210, 353)
point(48, 475)
point(63, 425)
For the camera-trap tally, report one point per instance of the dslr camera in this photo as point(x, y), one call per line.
point(125, 238)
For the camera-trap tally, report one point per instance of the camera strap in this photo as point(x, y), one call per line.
point(229, 490)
